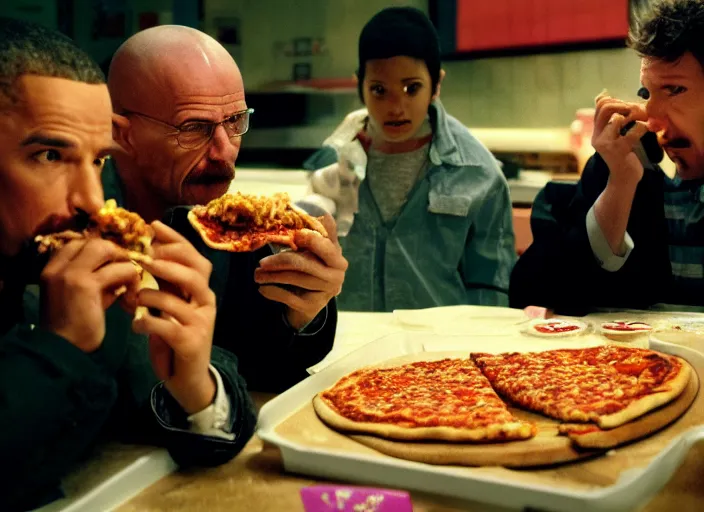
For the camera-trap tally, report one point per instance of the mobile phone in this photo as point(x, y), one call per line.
point(649, 152)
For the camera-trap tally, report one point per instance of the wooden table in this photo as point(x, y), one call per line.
point(255, 481)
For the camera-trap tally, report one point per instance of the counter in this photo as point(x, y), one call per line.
point(255, 480)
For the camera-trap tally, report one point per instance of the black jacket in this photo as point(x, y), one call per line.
point(57, 402)
point(272, 356)
point(559, 269)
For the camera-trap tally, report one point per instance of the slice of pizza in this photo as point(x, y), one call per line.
point(588, 435)
point(122, 227)
point(445, 400)
point(607, 385)
point(242, 222)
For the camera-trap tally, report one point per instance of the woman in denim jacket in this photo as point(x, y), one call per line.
point(423, 209)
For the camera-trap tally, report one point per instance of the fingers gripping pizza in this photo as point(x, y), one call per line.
point(124, 228)
point(242, 223)
point(120, 226)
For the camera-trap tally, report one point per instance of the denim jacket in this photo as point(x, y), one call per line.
point(451, 243)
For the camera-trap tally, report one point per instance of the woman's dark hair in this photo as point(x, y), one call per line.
point(399, 31)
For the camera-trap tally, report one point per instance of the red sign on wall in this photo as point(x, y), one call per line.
point(504, 24)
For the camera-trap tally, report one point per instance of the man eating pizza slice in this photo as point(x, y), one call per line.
point(179, 128)
point(123, 228)
point(74, 369)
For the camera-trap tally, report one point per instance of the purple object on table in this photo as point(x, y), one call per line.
point(327, 498)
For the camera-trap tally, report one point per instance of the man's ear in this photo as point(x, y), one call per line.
point(437, 88)
point(121, 133)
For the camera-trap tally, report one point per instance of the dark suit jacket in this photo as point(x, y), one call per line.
point(559, 270)
point(57, 402)
point(272, 355)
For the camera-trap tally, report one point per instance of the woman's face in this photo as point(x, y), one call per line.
point(397, 93)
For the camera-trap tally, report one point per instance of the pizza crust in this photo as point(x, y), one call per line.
point(146, 282)
point(668, 392)
point(538, 451)
point(274, 238)
point(276, 211)
point(202, 231)
point(313, 223)
point(589, 435)
point(498, 432)
point(112, 219)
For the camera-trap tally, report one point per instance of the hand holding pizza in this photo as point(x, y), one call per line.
point(317, 270)
point(181, 337)
point(310, 274)
point(78, 285)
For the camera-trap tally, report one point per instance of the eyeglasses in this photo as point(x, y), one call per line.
point(194, 134)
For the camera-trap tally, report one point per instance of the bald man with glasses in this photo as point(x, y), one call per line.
point(179, 116)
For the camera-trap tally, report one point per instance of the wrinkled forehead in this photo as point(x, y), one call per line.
point(77, 112)
point(39, 96)
point(196, 76)
point(653, 70)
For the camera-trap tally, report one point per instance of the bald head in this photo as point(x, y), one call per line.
point(173, 76)
point(158, 66)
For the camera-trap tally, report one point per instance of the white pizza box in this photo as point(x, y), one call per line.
point(635, 487)
point(357, 329)
point(462, 319)
point(116, 483)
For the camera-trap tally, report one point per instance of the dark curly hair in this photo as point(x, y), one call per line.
point(31, 49)
point(668, 29)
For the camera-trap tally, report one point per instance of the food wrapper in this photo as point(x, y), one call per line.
point(327, 498)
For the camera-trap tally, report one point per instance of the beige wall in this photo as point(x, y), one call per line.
point(103, 48)
point(533, 91)
point(266, 22)
point(536, 91)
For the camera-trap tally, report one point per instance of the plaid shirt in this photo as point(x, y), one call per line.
point(684, 211)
